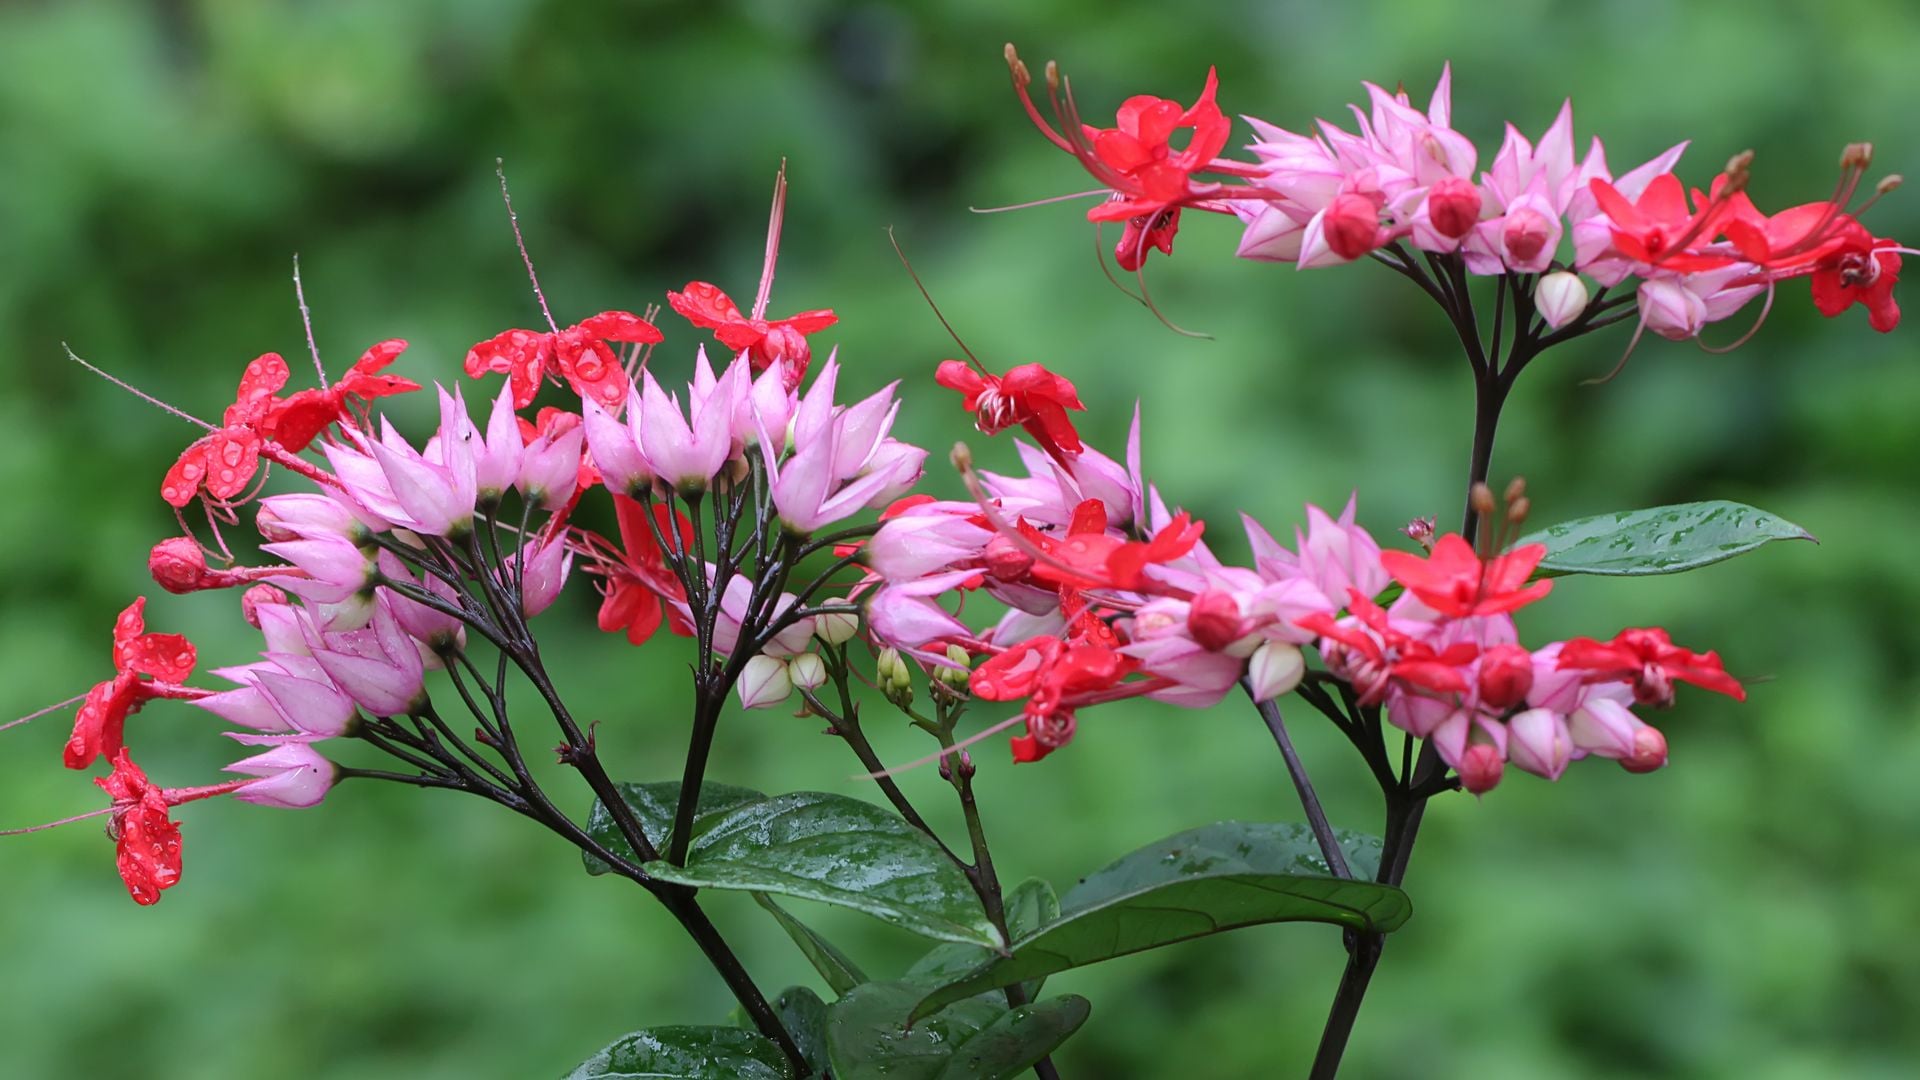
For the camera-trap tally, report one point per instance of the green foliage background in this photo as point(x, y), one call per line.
point(1749, 911)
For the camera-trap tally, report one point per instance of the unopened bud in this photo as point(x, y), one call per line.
point(257, 597)
point(1453, 204)
point(178, 565)
point(1560, 298)
point(764, 683)
point(807, 671)
point(1480, 768)
point(956, 678)
point(1352, 226)
point(1275, 668)
point(1525, 234)
point(836, 627)
point(1649, 751)
point(1506, 674)
point(893, 678)
point(1213, 619)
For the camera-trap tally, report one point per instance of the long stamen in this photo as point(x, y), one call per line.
point(979, 736)
point(135, 391)
point(1147, 298)
point(1746, 337)
point(1100, 257)
point(773, 241)
point(37, 714)
point(513, 219)
point(1736, 174)
point(1021, 80)
point(891, 239)
point(102, 812)
point(306, 321)
point(1037, 202)
point(1622, 365)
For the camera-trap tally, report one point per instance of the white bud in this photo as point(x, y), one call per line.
point(807, 671)
point(1275, 668)
point(836, 627)
point(764, 683)
point(1560, 298)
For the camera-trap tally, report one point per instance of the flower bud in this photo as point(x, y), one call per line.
point(546, 571)
point(257, 597)
point(1525, 234)
point(1453, 206)
point(1671, 309)
point(1352, 226)
point(1420, 531)
point(1213, 618)
point(1506, 674)
point(293, 776)
point(957, 678)
point(1275, 669)
point(1537, 741)
point(893, 678)
point(836, 627)
point(764, 683)
point(807, 671)
point(550, 467)
point(1480, 768)
point(1649, 750)
point(178, 565)
point(1560, 298)
point(1603, 727)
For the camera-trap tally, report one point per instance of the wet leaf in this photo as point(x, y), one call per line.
point(654, 805)
point(840, 972)
point(973, 1039)
point(687, 1053)
point(1199, 882)
point(817, 846)
point(1662, 540)
point(1030, 905)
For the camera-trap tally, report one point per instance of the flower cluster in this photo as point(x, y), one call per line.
point(1406, 177)
point(1110, 595)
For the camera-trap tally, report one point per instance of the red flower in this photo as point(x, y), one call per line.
point(1028, 395)
point(1650, 661)
point(763, 340)
point(98, 728)
point(146, 840)
point(579, 354)
point(1370, 654)
point(639, 582)
point(1658, 229)
point(1863, 269)
point(1453, 581)
point(223, 461)
point(1056, 677)
point(303, 416)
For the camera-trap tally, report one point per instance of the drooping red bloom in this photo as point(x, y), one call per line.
point(765, 341)
point(1658, 229)
point(1648, 660)
point(1055, 677)
point(1088, 557)
point(1028, 395)
point(639, 582)
point(578, 354)
point(295, 422)
point(1453, 581)
point(1136, 159)
point(1370, 654)
point(1863, 269)
point(146, 840)
point(98, 728)
point(223, 461)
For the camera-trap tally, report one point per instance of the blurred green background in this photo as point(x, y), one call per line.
point(1750, 911)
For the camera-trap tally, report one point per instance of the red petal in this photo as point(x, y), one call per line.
point(593, 371)
point(622, 326)
point(297, 421)
point(704, 305)
point(183, 480)
point(810, 322)
point(233, 456)
point(167, 657)
point(263, 378)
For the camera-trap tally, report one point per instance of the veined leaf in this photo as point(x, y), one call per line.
point(654, 805)
point(973, 1039)
point(687, 1053)
point(1661, 540)
point(840, 972)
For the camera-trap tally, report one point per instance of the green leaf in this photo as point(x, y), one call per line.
point(654, 806)
point(804, 1016)
point(974, 1039)
point(1030, 905)
point(841, 973)
point(687, 1053)
point(817, 846)
point(1016, 1040)
point(1199, 882)
point(1662, 540)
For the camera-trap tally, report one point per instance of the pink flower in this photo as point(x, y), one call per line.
point(496, 456)
point(1538, 741)
point(547, 565)
point(1679, 306)
point(550, 464)
point(616, 446)
point(285, 693)
point(292, 774)
point(378, 667)
point(687, 450)
point(1338, 555)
